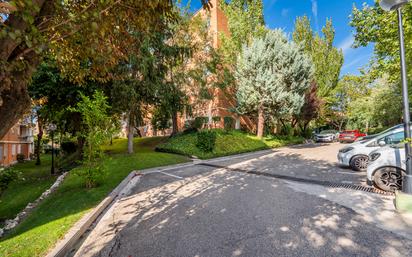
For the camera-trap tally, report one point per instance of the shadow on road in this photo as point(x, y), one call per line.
point(223, 213)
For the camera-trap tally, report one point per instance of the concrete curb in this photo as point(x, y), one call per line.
point(71, 237)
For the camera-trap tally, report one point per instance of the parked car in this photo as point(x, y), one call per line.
point(386, 168)
point(356, 155)
point(350, 136)
point(326, 136)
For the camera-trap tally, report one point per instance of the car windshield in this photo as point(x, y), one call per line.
point(348, 132)
point(388, 130)
point(328, 132)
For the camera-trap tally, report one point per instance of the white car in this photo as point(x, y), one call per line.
point(327, 136)
point(356, 154)
point(386, 168)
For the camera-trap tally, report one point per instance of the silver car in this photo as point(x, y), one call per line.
point(326, 136)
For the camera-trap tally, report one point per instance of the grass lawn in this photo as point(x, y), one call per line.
point(32, 182)
point(404, 202)
point(230, 143)
point(54, 217)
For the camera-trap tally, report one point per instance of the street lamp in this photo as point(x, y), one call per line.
point(52, 127)
point(391, 5)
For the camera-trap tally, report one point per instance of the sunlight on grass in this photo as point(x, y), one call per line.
point(53, 218)
point(36, 241)
point(33, 181)
point(233, 142)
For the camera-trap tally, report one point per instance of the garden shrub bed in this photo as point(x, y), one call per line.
point(227, 143)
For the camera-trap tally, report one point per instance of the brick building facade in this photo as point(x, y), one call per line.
point(223, 102)
point(18, 140)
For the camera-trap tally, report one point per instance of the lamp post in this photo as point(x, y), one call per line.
point(391, 5)
point(52, 128)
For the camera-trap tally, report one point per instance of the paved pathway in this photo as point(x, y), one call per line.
point(204, 211)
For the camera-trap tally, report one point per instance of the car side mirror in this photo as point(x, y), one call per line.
point(381, 143)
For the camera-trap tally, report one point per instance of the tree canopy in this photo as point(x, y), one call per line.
point(86, 38)
point(373, 25)
point(326, 58)
point(273, 75)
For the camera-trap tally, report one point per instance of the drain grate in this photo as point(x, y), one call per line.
point(302, 180)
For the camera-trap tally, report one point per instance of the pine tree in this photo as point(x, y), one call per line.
point(273, 75)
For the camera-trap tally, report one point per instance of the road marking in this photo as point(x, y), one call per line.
point(171, 175)
point(349, 173)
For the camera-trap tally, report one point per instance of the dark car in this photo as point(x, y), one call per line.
point(350, 136)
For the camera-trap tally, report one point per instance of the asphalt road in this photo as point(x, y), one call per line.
point(204, 211)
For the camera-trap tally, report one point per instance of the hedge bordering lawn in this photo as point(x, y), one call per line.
point(227, 143)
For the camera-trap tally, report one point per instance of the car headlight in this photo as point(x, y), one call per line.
point(345, 150)
point(374, 156)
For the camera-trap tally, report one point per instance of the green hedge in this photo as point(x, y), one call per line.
point(231, 143)
point(206, 140)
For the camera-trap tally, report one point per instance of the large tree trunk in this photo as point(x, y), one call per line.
point(39, 138)
point(261, 122)
point(175, 128)
point(17, 64)
point(15, 103)
point(130, 127)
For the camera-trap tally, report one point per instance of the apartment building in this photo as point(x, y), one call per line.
point(18, 140)
point(222, 102)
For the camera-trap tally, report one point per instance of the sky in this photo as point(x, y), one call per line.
point(282, 14)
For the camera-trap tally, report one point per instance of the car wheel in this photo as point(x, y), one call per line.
point(388, 179)
point(359, 163)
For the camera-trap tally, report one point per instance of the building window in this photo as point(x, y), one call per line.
point(5, 151)
point(13, 149)
point(1, 151)
point(19, 149)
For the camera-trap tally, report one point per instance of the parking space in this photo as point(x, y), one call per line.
point(310, 161)
point(202, 210)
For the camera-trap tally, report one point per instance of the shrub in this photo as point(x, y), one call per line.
point(206, 140)
point(287, 130)
point(68, 147)
point(20, 157)
point(199, 122)
point(6, 177)
point(191, 126)
point(97, 129)
point(229, 123)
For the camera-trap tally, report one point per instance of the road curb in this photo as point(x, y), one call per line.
point(80, 227)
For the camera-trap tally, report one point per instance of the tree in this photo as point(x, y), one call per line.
point(97, 130)
point(273, 76)
point(379, 108)
point(141, 78)
point(53, 95)
point(310, 109)
point(245, 23)
point(326, 58)
point(373, 25)
point(87, 38)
